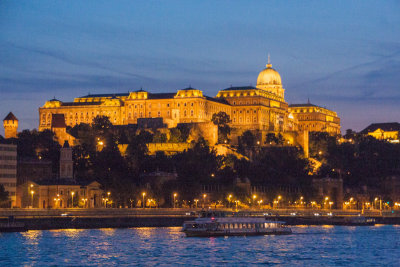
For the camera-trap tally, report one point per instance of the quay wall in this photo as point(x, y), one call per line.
point(123, 218)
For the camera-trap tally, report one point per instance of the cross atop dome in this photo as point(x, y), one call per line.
point(269, 65)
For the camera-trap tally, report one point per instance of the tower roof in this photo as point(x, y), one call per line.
point(10, 117)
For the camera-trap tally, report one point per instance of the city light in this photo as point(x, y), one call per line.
point(32, 192)
point(143, 195)
point(72, 193)
point(175, 194)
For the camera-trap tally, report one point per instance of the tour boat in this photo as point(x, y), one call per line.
point(218, 224)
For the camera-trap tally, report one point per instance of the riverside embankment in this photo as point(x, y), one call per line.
point(40, 219)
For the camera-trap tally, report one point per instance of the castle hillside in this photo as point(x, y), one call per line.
point(260, 109)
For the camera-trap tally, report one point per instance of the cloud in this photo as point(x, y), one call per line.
point(77, 61)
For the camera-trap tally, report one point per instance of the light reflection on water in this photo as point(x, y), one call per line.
point(309, 245)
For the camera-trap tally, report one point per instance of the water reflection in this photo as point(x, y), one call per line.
point(70, 233)
point(108, 231)
point(32, 236)
point(310, 246)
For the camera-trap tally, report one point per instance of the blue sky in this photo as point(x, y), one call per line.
point(344, 55)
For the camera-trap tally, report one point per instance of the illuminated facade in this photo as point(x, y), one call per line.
point(260, 109)
point(313, 118)
point(383, 131)
point(10, 124)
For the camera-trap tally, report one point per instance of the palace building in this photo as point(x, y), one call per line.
point(383, 131)
point(260, 109)
point(313, 118)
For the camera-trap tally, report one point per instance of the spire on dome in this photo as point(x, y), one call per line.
point(269, 65)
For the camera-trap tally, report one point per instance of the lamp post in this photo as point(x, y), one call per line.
point(204, 199)
point(175, 194)
point(72, 193)
point(143, 194)
point(229, 201)
point(195, 201)
point(326, 202)
point(108, 196)
point(32, 192)
point(277, 203)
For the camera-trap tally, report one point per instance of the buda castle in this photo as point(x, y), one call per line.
point(260, 109)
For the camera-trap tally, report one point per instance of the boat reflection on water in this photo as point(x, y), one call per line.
point(221, 224)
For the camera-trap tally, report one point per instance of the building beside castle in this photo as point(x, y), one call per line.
point(260, 109)
point(62, 191)
point(383, 131)
point(8, 171)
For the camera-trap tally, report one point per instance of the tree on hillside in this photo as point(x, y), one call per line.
point(175, 136)
point(319, 143)
point(101, 124)
point(222, 120)
point(34, 144)
point(195, 167)
point(159, 137)
point(247, 141)
point(274, 139)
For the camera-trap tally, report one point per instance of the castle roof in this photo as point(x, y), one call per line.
point(239, 88)
point(386, 126)
point(161, 95)
point(106, 95)
point(10, 117)
point(303, 105)
point(81, 103)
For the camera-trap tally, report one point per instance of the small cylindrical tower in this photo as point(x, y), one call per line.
point(10, 124)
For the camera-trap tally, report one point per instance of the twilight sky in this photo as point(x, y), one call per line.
point(344, 55)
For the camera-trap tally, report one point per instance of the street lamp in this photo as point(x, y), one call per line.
point(108, 197)
point(84, 202)
point(254, 199)
point(143, 194)
point(72, 193)
point(32, 192)
point(175, 194)
point(229, 200)
point(195, 201)
point(277, 202)
point(204, 199)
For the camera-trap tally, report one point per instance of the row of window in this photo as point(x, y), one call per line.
point(8, 166)
point(8, 157)
point(8, 148)
point(247, 111)
point(248, 120)
point(9, 184)
point(8, 175)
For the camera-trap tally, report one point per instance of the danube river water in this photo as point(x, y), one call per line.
point(309, 246)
